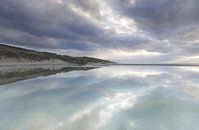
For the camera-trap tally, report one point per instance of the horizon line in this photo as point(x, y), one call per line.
point(160, 64)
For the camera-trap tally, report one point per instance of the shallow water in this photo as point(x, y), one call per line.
point(107, 98)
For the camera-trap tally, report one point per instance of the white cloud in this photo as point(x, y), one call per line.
point(187, 59)
point(60, 1)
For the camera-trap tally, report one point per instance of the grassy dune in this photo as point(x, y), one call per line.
point(20, 54)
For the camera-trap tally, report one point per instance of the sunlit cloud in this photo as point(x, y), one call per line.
point(187, 59)
point(123, 55)
point(60, 1)
point(118, 23)
point(135, 53)
point(81, 13)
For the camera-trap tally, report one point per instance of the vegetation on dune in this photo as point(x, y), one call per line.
point(16, 52)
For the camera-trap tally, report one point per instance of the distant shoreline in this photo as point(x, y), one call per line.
point(89, 64)
point(169, 64)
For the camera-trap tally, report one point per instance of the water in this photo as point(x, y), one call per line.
point(108, 98)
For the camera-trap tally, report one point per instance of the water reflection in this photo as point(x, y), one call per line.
point(108, 98)
point(11, 74)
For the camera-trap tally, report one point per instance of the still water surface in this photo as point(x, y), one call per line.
point(107, 98)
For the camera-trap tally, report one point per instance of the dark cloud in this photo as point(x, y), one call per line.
point(32, 21)
point(161, 17)
point(44, 18)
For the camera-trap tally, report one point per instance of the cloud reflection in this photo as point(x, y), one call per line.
point(109, 98)
point(106, 108)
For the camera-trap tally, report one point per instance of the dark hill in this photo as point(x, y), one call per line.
point(7, 52)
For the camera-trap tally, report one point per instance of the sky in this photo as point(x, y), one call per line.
point(126, 31)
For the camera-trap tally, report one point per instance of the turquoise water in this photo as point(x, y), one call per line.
point(107, 98)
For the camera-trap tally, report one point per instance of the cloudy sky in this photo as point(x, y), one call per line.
point(130, 31)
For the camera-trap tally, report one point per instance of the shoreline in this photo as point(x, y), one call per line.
point(11, 66)
point(66, 64)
